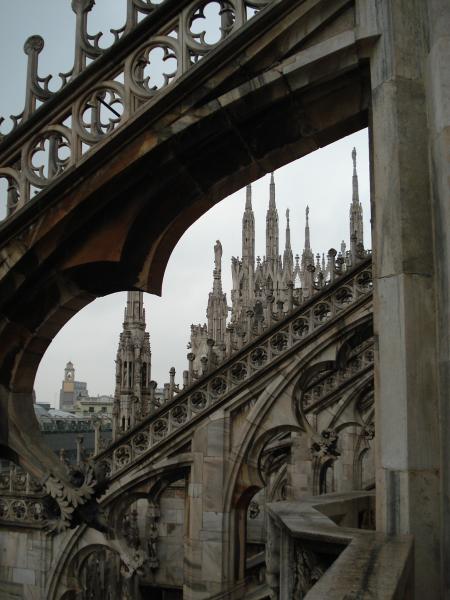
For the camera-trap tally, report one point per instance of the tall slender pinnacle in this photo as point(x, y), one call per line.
point(288, 259)
point(248, 198)
point(272, 234)
point(217, 309)
point(355, 197)
point(134, 312)
point(133, 367)
point(248, 230)
point(288, 232)
point(356, 213)
point(307, 233)
point(307, 255)
point(272, 192)
point(217, 273)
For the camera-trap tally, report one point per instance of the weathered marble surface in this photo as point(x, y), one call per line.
point(370, 564)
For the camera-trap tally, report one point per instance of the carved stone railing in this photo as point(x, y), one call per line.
point(97, 99)
point(213, 389)
point(22, 499)
point(15, 480)
point(324, 386)
point(58, 425)
point(309, 556)
point(24, 510)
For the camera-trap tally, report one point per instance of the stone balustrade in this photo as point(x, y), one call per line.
point(21, 498)
point(107, 87)
point(23, 510)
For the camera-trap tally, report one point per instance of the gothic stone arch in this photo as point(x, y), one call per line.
point(250, 108)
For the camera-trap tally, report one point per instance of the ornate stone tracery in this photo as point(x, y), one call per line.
point(179, 44)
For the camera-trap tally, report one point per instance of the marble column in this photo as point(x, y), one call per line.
point(406, 382)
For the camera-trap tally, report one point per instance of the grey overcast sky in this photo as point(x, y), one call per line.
point(322, 180)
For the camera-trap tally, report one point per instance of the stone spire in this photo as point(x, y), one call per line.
point(288, 258)
point(248, 230)
point(272, 235)
point(133, 367)
point(307, 234)
point(217, 309)
point(307, 255)
point(134, 310)
point(356, 213)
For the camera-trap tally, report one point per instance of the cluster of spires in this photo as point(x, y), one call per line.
point(264, 291)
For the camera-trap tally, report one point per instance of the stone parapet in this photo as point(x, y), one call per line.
point(323, 554)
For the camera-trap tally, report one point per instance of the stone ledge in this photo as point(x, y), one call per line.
point(369, 565)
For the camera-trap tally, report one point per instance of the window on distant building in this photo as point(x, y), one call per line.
point(103, 408)
point(91, 409)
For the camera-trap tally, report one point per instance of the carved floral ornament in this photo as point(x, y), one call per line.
point(68, 497)
point(90, 117)
point(324, 445)
point(179, 414)
point(141, 441)
point(101, 111)
point(32, 504)
point(369, 431)
point(279, 342)
point(253, 509)
point(198, 400)
point(48, 155)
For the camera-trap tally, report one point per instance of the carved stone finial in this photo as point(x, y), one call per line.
point(34, 43)
point(82, 5)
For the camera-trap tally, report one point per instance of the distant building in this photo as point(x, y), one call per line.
point(62, 429)
point(71, 390)
point(101, 406)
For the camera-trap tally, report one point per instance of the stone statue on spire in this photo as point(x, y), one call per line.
point(218, 256)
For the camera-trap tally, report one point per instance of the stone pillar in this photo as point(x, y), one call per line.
point(273, 543)
point(97, 436)
point(344, 464)
point(79, 441)
point(299, 470)
point(406, 390)
point(437, 77)
point(205, 543)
